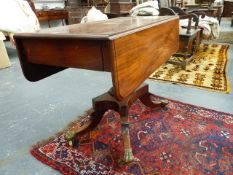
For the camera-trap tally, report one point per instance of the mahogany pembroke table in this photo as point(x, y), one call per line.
point(131, 48)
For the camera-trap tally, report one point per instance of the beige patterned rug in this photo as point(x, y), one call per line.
point(207, 70)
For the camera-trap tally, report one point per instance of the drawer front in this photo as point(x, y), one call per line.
point(52, 14)
point(58, 14)
point(42, 15)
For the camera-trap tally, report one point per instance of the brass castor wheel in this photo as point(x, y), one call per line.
point(74, 143)
point(164, 102)
point(128, 158)
point(160, 103)
point(72, 139)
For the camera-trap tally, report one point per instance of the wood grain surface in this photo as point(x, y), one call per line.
point(130, 48)
point(138, 55)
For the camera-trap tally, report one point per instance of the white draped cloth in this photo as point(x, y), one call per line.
point(94, 15)
point(2, 37)
point(150, 8)
point(17, 16)
point(210, 26)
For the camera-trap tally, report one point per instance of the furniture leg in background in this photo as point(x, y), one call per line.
point(189, 42)
point(53, 14)
point(4, 59)
point(231, 19)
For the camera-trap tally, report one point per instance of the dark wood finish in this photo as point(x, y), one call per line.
point(216, 11)
point(131, 48)
point(228, 8)
point(78, 8)
point(64, 53)
point(48, 15)
point(54, 14)
point(208, 12)
point(164, 11)
point(187, 48)
point(189, 37)
point(126, 58)
point(67, 46)
point(107, 101)
point(76, 13)
point(192, 17)
point(232, 19)
point(120, 6)
point(116, 15)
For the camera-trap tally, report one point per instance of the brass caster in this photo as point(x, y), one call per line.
point(164, 102)
point(128, 157)
point(70, 136)
point(70, 143)
point(161, 103)
point(74, 143)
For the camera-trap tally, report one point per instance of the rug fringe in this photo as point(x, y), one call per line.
point(53, 164)
point(58, 134)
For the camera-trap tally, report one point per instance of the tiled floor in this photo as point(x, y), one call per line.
point(30, 112)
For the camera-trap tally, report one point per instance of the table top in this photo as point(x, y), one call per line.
point(131, 48)
point(107, 29)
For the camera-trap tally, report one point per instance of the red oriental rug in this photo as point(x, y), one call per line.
point(179, 139)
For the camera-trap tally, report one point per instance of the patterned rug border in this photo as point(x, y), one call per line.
point(227, 91)
point(64, 169)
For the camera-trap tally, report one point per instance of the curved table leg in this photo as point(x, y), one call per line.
point(85, 126)
point(105, 102)
point(101, 104)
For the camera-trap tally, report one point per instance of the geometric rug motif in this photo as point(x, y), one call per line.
point(177, 139)
point(207, 70)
